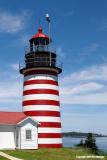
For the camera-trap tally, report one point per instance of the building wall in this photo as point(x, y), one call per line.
point(28, 144)
point(41, 102)
point(7, 140)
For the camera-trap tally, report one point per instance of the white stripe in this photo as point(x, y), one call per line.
point(49, 130)
point(46, 119)
point(40, 86)
point(49, 140)
point(41, 96)
point(40, 76)
point(41, 107)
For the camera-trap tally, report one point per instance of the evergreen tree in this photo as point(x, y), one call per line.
point(90, 142)
point(81, 144)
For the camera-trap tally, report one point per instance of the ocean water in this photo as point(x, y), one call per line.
point(100, 141)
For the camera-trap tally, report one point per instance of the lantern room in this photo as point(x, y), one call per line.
point(39, 41)
point(40, 54)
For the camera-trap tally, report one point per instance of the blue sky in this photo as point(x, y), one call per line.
point(79, 33)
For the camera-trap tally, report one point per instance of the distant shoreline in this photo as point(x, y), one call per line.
point(80, 134)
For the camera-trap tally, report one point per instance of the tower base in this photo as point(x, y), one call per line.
point(50, 145)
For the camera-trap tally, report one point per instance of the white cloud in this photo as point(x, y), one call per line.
point(89, 74)
point(10, 88)
point(81, 89)
point(12, 23)
point(85, 87)
point(15, 66)
point(98, 98)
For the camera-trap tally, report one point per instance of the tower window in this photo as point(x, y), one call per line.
point(28, 134)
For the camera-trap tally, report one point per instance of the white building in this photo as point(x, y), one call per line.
point(18, 131)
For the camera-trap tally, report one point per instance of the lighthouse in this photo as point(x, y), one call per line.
point(40, 89)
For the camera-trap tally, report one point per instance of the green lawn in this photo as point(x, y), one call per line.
point(2, 158)
point(51, 154)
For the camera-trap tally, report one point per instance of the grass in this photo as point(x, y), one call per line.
point(2, 158)
point(51, 154)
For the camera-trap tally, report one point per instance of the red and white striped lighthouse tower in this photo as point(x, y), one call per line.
point(40, 91)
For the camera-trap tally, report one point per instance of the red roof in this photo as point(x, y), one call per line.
point(11, 117)
point(40, 34)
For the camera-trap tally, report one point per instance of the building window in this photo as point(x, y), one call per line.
point(28, 134)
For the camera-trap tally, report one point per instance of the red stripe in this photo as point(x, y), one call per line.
point(41, 102)
point(49, 135)
point(50, 124)
point(40, 91)
point(40, 72)
point(43, 113)
point(50, 145)
point(40, 82)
